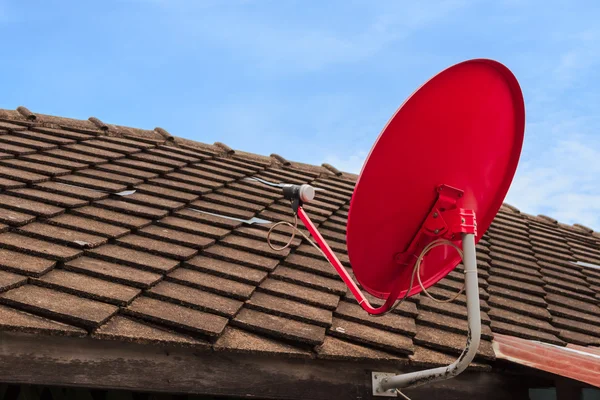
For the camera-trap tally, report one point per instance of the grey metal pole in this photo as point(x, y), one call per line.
point(474, 321)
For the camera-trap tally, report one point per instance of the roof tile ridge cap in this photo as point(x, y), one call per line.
point(280, 159)
point(226, 149)
point(24, 111)
point(511, 208)
point(164, 133)
point(548, 219)
point(332, 169)
point(99, 124)
point(584, 228)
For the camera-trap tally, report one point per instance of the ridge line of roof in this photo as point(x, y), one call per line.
point(24, 116)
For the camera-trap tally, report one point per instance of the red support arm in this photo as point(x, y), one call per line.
point(445, 220)
point(360, 297)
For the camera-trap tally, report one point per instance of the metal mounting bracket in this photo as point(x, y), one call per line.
point(418, 378)
point(376, 378)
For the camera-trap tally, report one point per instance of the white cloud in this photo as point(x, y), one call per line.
point(563, 184)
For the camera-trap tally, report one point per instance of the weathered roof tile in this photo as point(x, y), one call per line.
point(176, 316)
point(129, 330)
point(113, 272)
point(134, 258)
point(195, 298)
point(279, 327)
point(63, 307)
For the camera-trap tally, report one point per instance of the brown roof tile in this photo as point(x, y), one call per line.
point(391, 321)
point(246, 197)
point(93, 151)
point(500, 302)
point(134, 258)
point(22, 176)
point(289, 309)
point(452, 309)
point(63, 307)
point(54, 161)
point(157, 246)
point(426, 358)
point(242, 257)
point(143, 165)
point(195, 298)
point(337, 349)
point(37, 247)
point(536, 290)
point(71, 191)
point(14, 320)
point(85, 286)
point(575, 326)
point(525, 333)
point(308, 279)
point(516, 319)
point(109, 176)
point(579, 338)
point(227, 269)
point(91, 183)
point(574, 315)
point(24, 263)
point(177, 317)
point(15, 218)
point(157, 159)
point(450, 342)
point(113, 272)
point(299, 293)
point(279, 327)
point(213, 283)
point(195, 215)
point(75, 157)
point(176, 236)
point(517, 295)
point(61, 235)
point(17, 150)
point(254, 246)
point(34, 167)
point(49, 198)
point(450, 324)
point(29, 206)
point(123, 171)
point(10, 184)
point(310, 264)
point(166, 193)
point(240, 341)
point(130, 208)
point(570, 293)
point(9, 280)
point(109, 146)
point(112, 217)
point(193, 227)
point(129, 330)
point(88, 225)
point(375, 337)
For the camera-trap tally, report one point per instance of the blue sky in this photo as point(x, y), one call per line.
point(314, 81)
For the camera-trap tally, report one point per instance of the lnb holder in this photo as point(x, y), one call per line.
point(298, 194)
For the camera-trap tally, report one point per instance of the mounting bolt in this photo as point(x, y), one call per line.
point(435, 215)
point(436, 231)
point(462, 220)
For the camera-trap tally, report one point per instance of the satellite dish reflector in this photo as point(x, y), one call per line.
point(432, 184)
point(453, 145)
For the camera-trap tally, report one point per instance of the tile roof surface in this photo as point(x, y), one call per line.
point(77, 259)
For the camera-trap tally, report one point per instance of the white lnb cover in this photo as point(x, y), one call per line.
point(307, 193)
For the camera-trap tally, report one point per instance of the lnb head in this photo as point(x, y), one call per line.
point(301, 193)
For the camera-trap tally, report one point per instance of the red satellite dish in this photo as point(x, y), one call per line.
point(454, 144)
